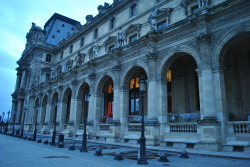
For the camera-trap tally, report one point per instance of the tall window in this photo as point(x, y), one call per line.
point(133, 10)
point(48, 58)
point(68, 107)
point(134, 96)
point(71, 49)
point(108, 103)
point(161, 25)
point(112, 23)
point(82, 42)
point(169, 89)
point(96, 33)
point(61, 55)
point(133, 38)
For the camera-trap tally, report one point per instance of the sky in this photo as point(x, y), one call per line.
point(16, 17)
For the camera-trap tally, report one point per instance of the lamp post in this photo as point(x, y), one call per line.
point(37, 109)
point(25, 109)
point(6, 130)
point(2, 123)
point(84, 136)
point(142, 159)
point(53, 140)
point(13, 129)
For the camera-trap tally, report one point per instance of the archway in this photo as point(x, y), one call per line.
point(66, 106)
point(182, 92)
point(235, 57)
point(43, 110)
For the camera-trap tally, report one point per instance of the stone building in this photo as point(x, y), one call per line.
point(195, 55)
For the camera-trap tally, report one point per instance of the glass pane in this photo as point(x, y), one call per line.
point(132, 106)
point(137, 106)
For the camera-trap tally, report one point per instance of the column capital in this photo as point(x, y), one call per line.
point(199, 71)
point(218, 68)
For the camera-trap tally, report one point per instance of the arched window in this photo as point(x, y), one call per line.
point(108, 103)
point(134, 96)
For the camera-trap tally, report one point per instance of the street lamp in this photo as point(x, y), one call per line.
point(142, 159)
point(6, 130)
point(84, 136)
point(53, 141)
point(25, 109)
point(37, 110)
point(14, 119)
point(2, 123)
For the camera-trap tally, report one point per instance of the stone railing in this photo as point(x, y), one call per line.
point(184, 127)
point(80, 126)
point(239, 127)
point(104, 127)
point(134, 128)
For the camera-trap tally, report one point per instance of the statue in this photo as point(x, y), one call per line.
point(202, 3)
point(52, 75)
point(78, 60)
point(95, 50)
point(63, 67)
point(121, 37)
point(152, 18)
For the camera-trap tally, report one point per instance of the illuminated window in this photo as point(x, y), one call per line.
point(108, 103)
point(169, 89)
point(134, 97)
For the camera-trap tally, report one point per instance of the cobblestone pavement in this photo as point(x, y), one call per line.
point(15, 152)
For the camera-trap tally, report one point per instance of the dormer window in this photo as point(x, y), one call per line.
point(96, 33)
point(133, 38)
point(112, 23)
point(70, 49)
point(48, 58)
point(82, 42)
point(133, 10)
point(161, 25)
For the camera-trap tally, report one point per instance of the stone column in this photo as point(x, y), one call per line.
point(199, 73)
point(116, 102)
point(207, 78)
point(152, 88)
point(23, 81)
point(220, 97)
point(209, 127)
point(73, 104)
point(18, 80)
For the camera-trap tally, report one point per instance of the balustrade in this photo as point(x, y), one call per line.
point(183, 127)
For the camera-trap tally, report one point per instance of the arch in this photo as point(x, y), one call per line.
point(66, 105)
point(43, 109)
point(129, 70)
point(225, 42)
point(102, 79)
point(53, 108)
point(81, 103)
point(173, 54)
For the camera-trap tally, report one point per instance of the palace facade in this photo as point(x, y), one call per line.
point(194, 54)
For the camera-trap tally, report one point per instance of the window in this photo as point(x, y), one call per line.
point(161, 25)
point(47, 77)
point(71, 49)
point(133, 38)
point(61, 55)
point(112, 23)
point(134, 96)
point(111, 48)
point(194, 9)
point(108, 103)
point(133, 10)
point(169, 89)
point(96, 33)
point(48, 58)
point(82, 42)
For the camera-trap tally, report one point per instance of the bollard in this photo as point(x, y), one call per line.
point(39, 141)
point(118, 156)
point(71, 147)
point(184, 154)
point(163, 157)
point(46, 142)
point(98, 152)
point(60, 145)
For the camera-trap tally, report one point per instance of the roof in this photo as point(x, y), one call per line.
point(63, 18)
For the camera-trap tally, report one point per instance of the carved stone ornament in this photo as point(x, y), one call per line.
point(117, 67)
point(152, 55)
point(92, 76)
point(74, 82)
